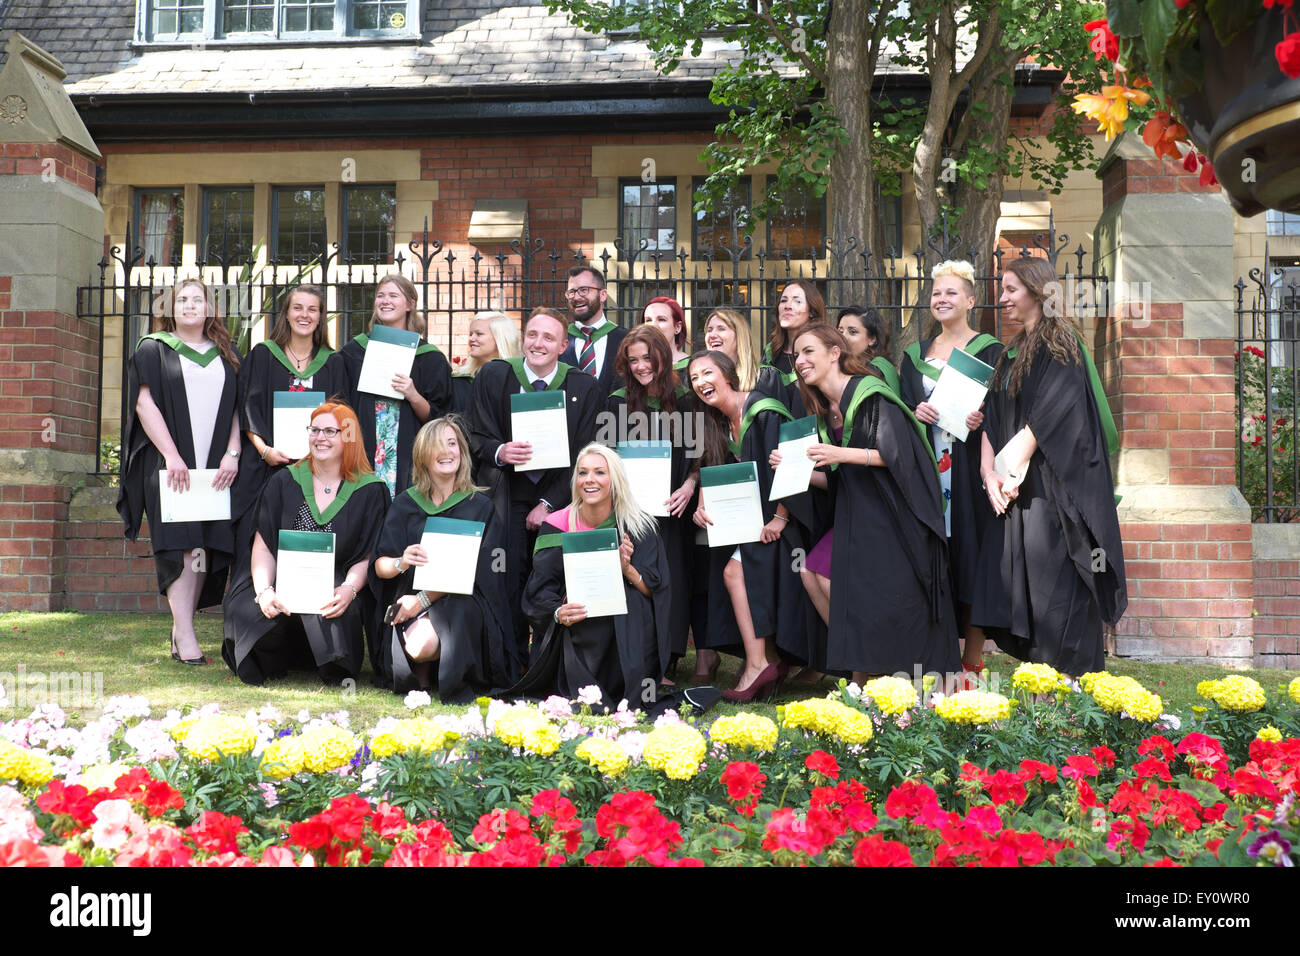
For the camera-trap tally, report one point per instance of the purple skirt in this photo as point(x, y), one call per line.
point(819, 558)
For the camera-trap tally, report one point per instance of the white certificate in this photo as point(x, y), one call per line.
point(539, 419)
point(452, 546)
point(201, 503)
point(389, 352)
point(593, 572)
point(1013, 457)
point(290, 417)
point(729, 495)
point(649, 466)
point(961, 388)
point(796, 468)
point(304, 570)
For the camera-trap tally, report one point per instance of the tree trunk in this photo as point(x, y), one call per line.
point(981, 207)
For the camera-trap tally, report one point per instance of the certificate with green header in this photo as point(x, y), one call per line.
point(539, 419)
point(960, 390)
point(304, 570)
point(729, 496)
point(201, 502)
point(593, 571)
point(649, 467)
point(389, 352)
point(452, 545)
point(290, 416)
point(796, 468)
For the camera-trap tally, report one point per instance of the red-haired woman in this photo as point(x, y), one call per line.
point(181, 398)
point(667, 315)
point(331, 490)
point(658, 407)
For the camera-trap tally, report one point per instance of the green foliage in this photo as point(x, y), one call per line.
point(110, 459)
point(1268, 428)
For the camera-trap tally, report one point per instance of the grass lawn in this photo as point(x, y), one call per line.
point(130, 653)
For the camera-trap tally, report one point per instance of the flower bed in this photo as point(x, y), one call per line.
point(1055, 775)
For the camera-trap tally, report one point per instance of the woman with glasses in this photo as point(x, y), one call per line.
point(334, 494)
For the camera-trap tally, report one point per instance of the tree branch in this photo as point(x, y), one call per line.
point(765, 13)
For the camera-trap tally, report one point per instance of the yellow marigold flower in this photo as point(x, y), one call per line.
point(282, 758)
point(603, 754)
point(1293, 690)
point(974, 707)
point(36, 770)
point(414, 733)
point(1115, 694)
point(215, 734)
point(1269, 733)
point(1037, 678)
point(12, 760)
point(676, 749)
point(830, 717)
point(181, 730)
point(1110, 109)
point(326, 748)
point(753, 731)
point(892, 695)
point(527, 728)
point(1235, 692)
point(101, 775)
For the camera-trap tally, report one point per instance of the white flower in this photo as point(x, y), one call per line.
point(416, 699)
point(51, 713)
point(304, 715)
point(669, 718)
point(369, 777)
point(853, 690)
point(590, 695)
point(556, 707)
point(150, 740)
point(1172, 721)
point(625, 718)
point(632, 743)
point(123, 707)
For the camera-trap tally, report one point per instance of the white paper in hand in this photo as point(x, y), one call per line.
point(593, 572)
point(452, 546)
point(729, 496)
point(389, 352)
point(795, 471)
point(304, 570)
point(648, 465)
point(201, 503)
point(539, 419)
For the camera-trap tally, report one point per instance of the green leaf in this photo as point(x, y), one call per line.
point(1158, 20)
point(1124, 17)
point(1230, 17)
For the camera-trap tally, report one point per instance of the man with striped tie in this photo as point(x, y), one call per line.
point(593, 339)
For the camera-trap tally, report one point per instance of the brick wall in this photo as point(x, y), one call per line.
point(1149, 176)
point(1277, 604)
point(34, 159)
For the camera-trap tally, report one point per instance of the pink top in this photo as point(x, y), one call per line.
point(560, 519)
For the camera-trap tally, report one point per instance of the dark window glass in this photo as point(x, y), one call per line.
point(227, 226)
point(647, 212)
point(368, 216)
point(721, 232)
point(159, 225)
point(297, 223)
point(798, 228)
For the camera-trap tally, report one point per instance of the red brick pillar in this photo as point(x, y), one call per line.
point(1165, 352)
point(53, 230)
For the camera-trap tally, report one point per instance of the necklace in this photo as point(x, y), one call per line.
point(298, 363)
point(324, 487)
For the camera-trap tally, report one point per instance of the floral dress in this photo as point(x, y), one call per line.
point(942, 442)
point(387, 418)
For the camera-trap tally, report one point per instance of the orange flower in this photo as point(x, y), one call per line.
point(1110, 109)
point(1162, 133)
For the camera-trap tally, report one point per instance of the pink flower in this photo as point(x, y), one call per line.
point(114, 823)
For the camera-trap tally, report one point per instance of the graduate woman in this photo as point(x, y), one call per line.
point(1052, 566)
point(952, 297)
point(756, 599)
point(799, 305)
point(294, 359)
point(727, 331)
point(491, 335)
point(181, 394)
point(331, 490)
point(654, 395)
point(888, 519)
point(624, 655)
point(668, 316)
point(388, 425)
point(867, 334)
point(453, 644)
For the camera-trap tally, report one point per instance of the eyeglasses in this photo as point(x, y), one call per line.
point(581, 292)
point(315, 432)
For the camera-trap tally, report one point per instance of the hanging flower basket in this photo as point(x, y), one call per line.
point(1212, 83)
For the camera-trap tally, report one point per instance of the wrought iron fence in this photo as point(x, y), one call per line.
point(452, 287)
point(1268, 336)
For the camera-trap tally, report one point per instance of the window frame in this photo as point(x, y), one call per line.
point(720, 253)
point(344, 238)
point(138, 195)
point(767, 224)
point(635, 255)
point(273, 225)
point(214, 34)
point(205, 222)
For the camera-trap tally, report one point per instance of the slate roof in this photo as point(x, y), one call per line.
point(465, 43)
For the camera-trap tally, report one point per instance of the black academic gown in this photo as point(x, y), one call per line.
point(264, 372)
point(606, 379)
point(1052, 568)
point(257, 647)
point(474, 653)
point(677, 534)
point(462, 394)
point(891, 604)
point(970, 515)
point(431, 375)
point(515, 494)
point(624, 655)
point(157, 365)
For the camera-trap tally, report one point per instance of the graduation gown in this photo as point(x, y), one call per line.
point(462, 394)
point(614, 336)
point(157, 365)
point(514, 494)
point(624, 655)
point(264, 372)
point(891, 604)
point(431, 375)
point(1052, 568)
point(471, 628)
point(676, 534)
point(335, 647)
point(969, 513)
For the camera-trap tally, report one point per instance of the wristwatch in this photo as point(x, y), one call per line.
point(232, 454)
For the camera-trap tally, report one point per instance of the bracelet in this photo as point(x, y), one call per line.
point(782, 517)
point(556, 615)
point(257, 598)
point(424, 601)
point(399, 565)
point(348, 584)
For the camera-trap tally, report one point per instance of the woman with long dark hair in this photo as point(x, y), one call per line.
point(888, 518)
point(181, 396)
point(799, 305)
point(1052, 568)
point(867, 333)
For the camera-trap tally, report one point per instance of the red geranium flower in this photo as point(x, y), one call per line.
point(216, 833)
point(744, 783)
point(875, 850)
point(819, 761)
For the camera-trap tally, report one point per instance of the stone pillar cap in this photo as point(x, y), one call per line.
point(34, 106)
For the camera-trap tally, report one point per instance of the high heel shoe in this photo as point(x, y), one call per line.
point(764, 686)
point(707, 677)
point(195, 662)
point(970, 676)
